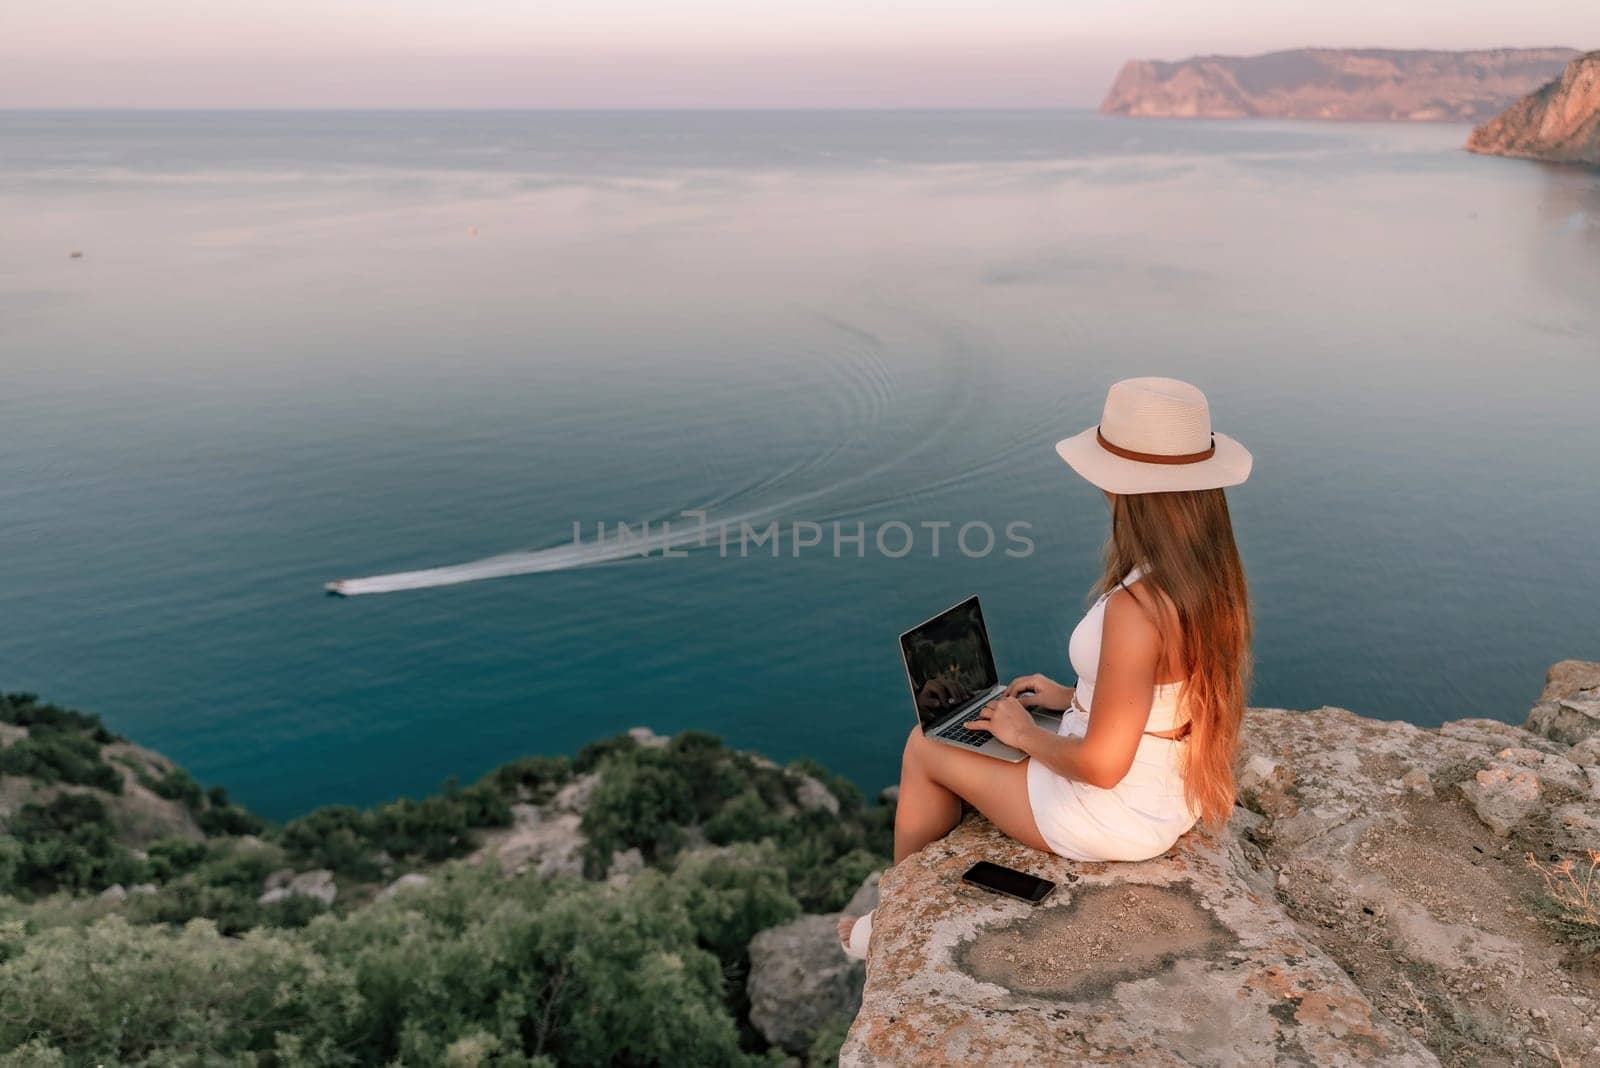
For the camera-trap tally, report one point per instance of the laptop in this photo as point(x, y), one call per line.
point(951, 671)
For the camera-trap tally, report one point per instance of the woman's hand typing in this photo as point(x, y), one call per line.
point(1037, 691)
point(1007, 720)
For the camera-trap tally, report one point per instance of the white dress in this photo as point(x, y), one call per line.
point(1144, 814)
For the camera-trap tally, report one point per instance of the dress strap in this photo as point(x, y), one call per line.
point(1133, 576)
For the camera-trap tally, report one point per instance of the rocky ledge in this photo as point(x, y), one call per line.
point(1559, 122)
point(1375, 84)
point(1375, 900)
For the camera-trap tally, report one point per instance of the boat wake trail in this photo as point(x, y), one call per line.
point(653, 539)
point(682, 533)
point(865, 380)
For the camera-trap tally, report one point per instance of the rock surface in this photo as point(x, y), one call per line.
point(1567, 677)
point(800, 981)
point(648, 738)
point(574, 796)
point(1183, 959)
point(1502, 797)
point(544, 842)
point(1559, 121)
point(282, 885)
point(1332, 83)
point(1362, 907)
point(813, 796)
point(1567, 719)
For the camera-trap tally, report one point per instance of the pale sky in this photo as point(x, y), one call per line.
point(690, 53)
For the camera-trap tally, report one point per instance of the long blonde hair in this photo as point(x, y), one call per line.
point(1184, 544)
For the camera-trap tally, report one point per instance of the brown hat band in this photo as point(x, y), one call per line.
point(1156, 457)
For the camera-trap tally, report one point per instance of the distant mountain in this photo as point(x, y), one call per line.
point(1559, 121)
point(1361, 84)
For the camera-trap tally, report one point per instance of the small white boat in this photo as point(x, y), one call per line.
point(336, 588)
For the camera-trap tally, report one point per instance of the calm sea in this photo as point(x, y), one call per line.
point(300, 347)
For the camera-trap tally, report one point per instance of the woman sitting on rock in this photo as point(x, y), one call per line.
point(1147, 742)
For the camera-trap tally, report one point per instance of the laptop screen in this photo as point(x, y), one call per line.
point(949, 660)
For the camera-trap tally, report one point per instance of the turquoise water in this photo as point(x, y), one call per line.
point(303, 347)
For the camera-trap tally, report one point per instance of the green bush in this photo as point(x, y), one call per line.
point(432, 829)
point(353, 841)
point(825, 1047)
point(334, 836)
point(51, 756)
point(534, 779)
point(647, 797)
point(709, 769)
point(643, 801)
point(168, 858)
point(233, 910)
point(732, 894)
point(24, 710)
point(229, 820)
point(62, 746)
point(12, 856)
point(178, 785)
point(591, 756)
point(580, 974)
point(69, 843)
point(749, 817)
point(34, 1053)
point(823, 876)
point(223, 888)
point(438, 827)
point(115, 993)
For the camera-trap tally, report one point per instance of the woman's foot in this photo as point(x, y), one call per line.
point(855, 932)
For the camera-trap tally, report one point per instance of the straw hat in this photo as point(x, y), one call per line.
point(1155, 437)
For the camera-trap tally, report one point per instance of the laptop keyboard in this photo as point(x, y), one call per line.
point(955, 732)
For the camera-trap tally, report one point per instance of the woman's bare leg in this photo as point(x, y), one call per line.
point(935, 778)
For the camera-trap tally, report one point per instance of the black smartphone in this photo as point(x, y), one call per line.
point(1009, 881)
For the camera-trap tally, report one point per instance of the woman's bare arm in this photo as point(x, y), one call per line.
point(1125, 685)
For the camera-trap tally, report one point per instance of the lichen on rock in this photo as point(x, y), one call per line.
point(1210, 969)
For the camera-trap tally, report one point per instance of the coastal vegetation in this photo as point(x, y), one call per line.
point(397, 934)
point(1569, 900)
point(55, 744)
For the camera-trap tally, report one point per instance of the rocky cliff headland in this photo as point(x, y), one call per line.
point(1365, 84)
point(1559, 121)
point(1384, 894)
